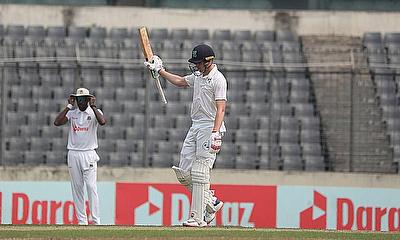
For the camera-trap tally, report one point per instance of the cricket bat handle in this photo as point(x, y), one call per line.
point(160, 90)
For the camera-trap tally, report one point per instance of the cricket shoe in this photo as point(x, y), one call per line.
point(209, 217)
point(191, 222)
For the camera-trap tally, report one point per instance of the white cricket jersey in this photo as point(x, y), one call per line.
point(207, 89)
point(82, 135)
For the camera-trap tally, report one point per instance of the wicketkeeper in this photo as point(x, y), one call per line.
point(203, 141)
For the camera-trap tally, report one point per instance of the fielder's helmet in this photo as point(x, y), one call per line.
point(201, 53)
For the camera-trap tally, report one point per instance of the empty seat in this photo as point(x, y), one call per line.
point(16, 30)
point(26, 105)
point(34, 157)
point(303, 109)
point(292, 163)
point(264, 35)
point(286, 35)
point(118, 33)
point(299, 97)
point(248, 155)
point(289, 122)
point(245, 122)
point(178, 134)
point(229, 55)
point(158, 33)
point(49, 74)
point(157, 134)
point(200, 34)
point(36, 31)
point(161, 122)
point(257, 83)
point(136, 160)
point(58, 144)
point(264, 122)
point(122, 145)
point(288, 136)
point(111, 106)
point(24, 51)
point(56, 31)
point(310, 122)
point(97, 32)
point(13, 157)
point(263, 136)
point(256, 96)
point(14, 118)
point(176, 108)
point(245, 162)
point(40, 144)
point(391, 37)
point(314, 163)
point(29, 131)
point(155, 108)
point(311, 149)
point(310, 136)
point(161, 160)
point(65, 52)
point(35, 119)
point(56, 157)
point(132, 133)
point(116, 132)
point(17, 91)
point(51, 132)
point(281, 109)
point(182, 121)
point(119, 159)
point(122, 120)
point(17, 144)
point(290, 149)
point(133, 107)
point(47, 106)
point(242, 35)
point(11, 131)
point(138, 120)
point(77, 32)
point(259, 109)
point(372, 37)
point(247, 136)
point(222, 34)
point(180, 33)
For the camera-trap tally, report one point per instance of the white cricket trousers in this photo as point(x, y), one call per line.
point(196, 146)
point(82, 166)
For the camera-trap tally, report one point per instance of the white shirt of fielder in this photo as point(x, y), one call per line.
point(82, 130)
point(207, 89)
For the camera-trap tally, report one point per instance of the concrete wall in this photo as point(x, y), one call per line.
point(218, 176)
point(304, 22)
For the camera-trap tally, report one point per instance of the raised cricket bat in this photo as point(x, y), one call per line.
point(148, 53)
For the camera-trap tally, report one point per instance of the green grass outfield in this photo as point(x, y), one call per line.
point(126, 232)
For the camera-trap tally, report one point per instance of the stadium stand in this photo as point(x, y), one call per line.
point(283, 118)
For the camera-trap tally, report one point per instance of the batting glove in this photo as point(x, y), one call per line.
point(155, 65)
point(215, 142)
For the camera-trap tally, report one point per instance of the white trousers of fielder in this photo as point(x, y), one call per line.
point(82, 166)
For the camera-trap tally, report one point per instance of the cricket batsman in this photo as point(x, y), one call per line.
point(204, 138)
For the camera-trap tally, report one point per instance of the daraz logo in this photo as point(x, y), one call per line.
point(150, 212)
point(314, 217)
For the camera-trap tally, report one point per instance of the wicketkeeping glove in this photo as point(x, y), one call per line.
point(155, 64)
point(215, 142)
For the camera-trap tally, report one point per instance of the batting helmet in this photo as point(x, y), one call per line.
point(201, 53)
